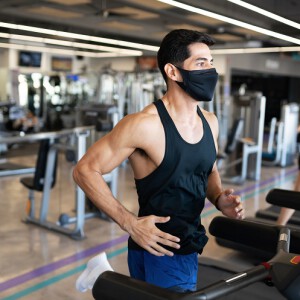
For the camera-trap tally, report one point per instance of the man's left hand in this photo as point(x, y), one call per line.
point(230, 205)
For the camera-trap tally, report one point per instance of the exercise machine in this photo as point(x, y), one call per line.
point(44, 180)
point(290, 119)
point(8, 168)
point(231, 145)
point(273, 153)
point(247, 243)
point(250, 108)
point(282, 270)
point(282, 143)
point(47, 178)
point(81, 134)
point(271, 213)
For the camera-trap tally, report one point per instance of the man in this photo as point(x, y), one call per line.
point(171, 146)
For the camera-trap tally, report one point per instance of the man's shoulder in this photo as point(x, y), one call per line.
point(212, 120)
point(209, 116)
point(140, 128)
point(147, 119)
point(148, 114)
point(150, 110)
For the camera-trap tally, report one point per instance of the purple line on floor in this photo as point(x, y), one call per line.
point(61, 263)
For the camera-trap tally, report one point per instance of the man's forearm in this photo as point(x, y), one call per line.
point(97, 190)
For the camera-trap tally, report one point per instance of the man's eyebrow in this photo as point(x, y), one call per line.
point(204, 58)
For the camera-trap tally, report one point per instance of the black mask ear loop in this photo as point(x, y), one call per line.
point(179, 69)
point(181, 83)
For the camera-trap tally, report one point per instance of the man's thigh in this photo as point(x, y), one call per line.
point(178, 272)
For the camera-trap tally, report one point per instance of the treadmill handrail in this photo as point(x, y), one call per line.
point(284, 198)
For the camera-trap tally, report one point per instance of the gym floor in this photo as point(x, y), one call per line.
point(36, 263)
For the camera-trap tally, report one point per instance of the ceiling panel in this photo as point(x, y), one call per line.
point(48, 11)
point(186, 26)
point(226, 37)
point(118, 25)
point(204, 19)
point(158, 35)
point(134, 13)
point(246, 31)
point(70, 2)
point(154, 4)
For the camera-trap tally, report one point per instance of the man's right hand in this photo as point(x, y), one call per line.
point(145, 233)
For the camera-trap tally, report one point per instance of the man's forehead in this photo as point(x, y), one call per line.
point(200, 51)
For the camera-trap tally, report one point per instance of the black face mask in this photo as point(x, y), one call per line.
point(199, 84)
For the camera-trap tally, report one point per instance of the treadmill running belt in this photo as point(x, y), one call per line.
point(259, 291)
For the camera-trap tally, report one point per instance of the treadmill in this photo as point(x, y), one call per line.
point(276, 279)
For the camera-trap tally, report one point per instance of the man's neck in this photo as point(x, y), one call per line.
point(180, 106)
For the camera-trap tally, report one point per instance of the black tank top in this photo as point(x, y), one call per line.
point(177, 188)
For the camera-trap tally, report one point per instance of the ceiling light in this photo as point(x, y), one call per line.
point(231, 21)
point(266, 13)
point(70, 44)
point(114, 54)
point(255, 50)
point(61, 51)
point(79, 36)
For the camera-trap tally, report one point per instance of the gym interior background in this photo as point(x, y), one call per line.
point(71, 69)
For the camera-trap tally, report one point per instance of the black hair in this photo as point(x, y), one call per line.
point(174, 47)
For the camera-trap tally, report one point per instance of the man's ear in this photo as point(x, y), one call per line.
point(172, 72)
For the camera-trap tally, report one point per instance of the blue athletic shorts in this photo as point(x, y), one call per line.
point(177, 273)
